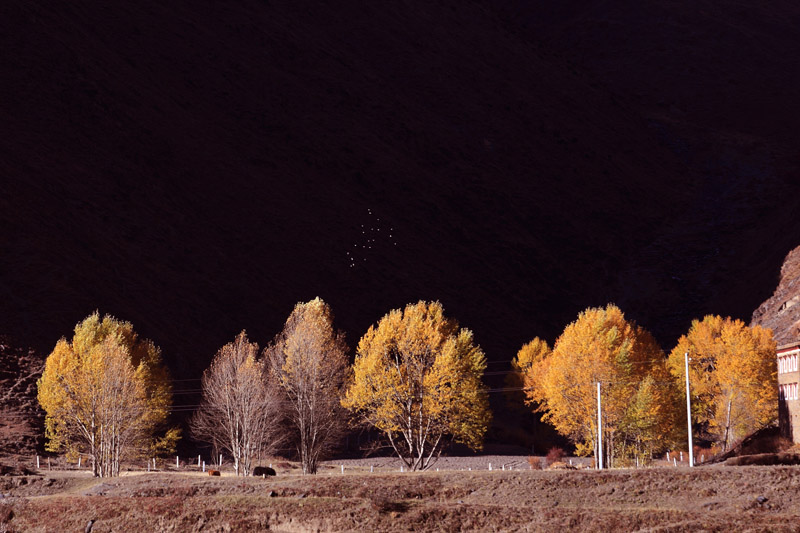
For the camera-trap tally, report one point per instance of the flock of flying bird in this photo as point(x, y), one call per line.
point(375, 234)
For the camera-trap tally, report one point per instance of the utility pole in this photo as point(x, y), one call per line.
point(689, 411)
point(599, 431)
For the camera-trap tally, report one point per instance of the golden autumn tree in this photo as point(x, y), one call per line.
point(521, 375)
point(308, 360)
point(517, 382)
point(602, 346)
point(733, 376)
point(417, 378)
point(106, 393)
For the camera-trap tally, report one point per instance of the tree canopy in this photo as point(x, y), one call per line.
point(733, 376)
point(106, 393)
point(638, 398)
point(308, 360)
point(417, 378)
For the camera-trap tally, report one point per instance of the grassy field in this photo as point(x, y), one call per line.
point(665, 499)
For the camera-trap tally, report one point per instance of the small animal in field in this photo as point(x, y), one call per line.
point(213, 472)
point(263, 471)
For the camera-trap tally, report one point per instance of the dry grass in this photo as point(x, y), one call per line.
point(671, 499)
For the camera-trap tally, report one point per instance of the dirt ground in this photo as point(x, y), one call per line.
point(714, 498)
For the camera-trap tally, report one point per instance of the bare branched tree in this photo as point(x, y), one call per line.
point(239, 410)
point(309, 360)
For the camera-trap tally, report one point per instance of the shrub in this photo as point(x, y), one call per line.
point(6, 514)
point(535, 462)
point(213, 473)
point(555, 454)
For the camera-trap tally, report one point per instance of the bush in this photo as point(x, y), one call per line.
point(6, 514)
point(535, 462)
point(555, 454)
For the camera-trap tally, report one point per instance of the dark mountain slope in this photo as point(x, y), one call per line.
point(780, 312)
point(197, 170)
point(717, 83)
point(21, 418)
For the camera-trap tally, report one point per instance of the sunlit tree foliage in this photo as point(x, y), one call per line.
point(639, 400)
point(417, 378)
point(107, 394)
point(733, 376)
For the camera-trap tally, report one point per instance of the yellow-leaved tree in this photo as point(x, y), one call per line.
point(308, 360)
point(417, 378)
point(639, 402)
point(106, 394)
point(732, 374)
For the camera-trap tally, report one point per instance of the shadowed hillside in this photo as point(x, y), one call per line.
point(21, 418)
point(716, 84)
point(197, 170)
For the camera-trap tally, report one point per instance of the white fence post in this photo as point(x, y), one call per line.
point(204, 466)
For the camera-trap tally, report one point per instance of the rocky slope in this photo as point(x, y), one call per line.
point(781, 312)
point(21, 418)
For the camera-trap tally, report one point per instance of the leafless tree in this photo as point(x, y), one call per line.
point(239, 410)
point(309, 360)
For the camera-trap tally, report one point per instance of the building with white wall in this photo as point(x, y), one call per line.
point(788, 393)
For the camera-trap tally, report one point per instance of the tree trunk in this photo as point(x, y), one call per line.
point(727, 427)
